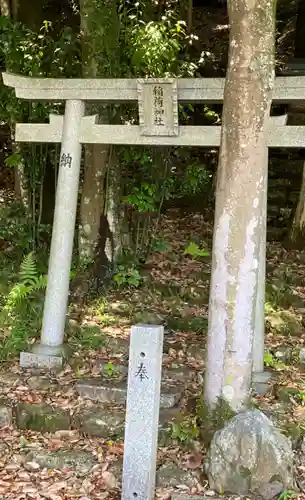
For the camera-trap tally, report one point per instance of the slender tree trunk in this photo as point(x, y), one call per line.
point(297, 233)
point(243, 163)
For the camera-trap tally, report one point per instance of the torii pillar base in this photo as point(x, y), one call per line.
point(45, 357)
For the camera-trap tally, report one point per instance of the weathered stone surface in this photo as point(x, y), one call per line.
point(181, 496)
point(178, 374)
point(260, 385)
point(6, 415)
point(100, 422)
point(33, 360)
point(249, 455)
point(283, 353)
point(41, 417)
point(170, 475)
point(143, 403)
point(103, 390)
point(80, 461)
point(115, 392)
point(37, 382)
point(170, 396)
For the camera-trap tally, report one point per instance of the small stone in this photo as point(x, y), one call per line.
point(12, 467)
point(79, 461)
point(283, 353)
point(260, 385)
point(302, 355)
point(98, 422)
point(31, 466)
point(41, 417)
point(250, 456)
point(6, 416)
point(170, 396)
point(169, 475)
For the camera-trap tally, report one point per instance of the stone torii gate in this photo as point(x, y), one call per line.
point(158, 125)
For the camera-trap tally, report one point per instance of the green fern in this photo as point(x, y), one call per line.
point(30, 282)
point(28, 270)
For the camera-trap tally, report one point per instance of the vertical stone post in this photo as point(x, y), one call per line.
point(50, 351)
point(259, 330)
point(142, 413)
point(260, 377)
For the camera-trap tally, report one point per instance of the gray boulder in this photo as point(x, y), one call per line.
point(249, 455)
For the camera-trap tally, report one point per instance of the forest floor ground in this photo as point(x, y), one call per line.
point(174, 293)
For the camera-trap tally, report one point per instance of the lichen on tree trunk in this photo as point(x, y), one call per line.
point(243, 160)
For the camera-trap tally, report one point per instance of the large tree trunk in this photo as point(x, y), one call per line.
point(100, 223)
point(96, 155)
point(297, 233)
point(243, 162)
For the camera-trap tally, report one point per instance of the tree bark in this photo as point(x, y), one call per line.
point(5, 8)
point(96, 155)
point(297, 233)
point(100, 223)
point(243, 164)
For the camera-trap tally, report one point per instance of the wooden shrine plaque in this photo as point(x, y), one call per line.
point(158, 107)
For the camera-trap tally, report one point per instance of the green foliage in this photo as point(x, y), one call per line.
point(185, 431)
point(127, 276)
point(195, 251)
point(272, 362)
point(16, 341)
point(212, 420)
point(31, 283)
point(143, 198)
point(41, 54)
point(88, 338)
point(285, 495)
point(156, 46)
point(110, 369)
